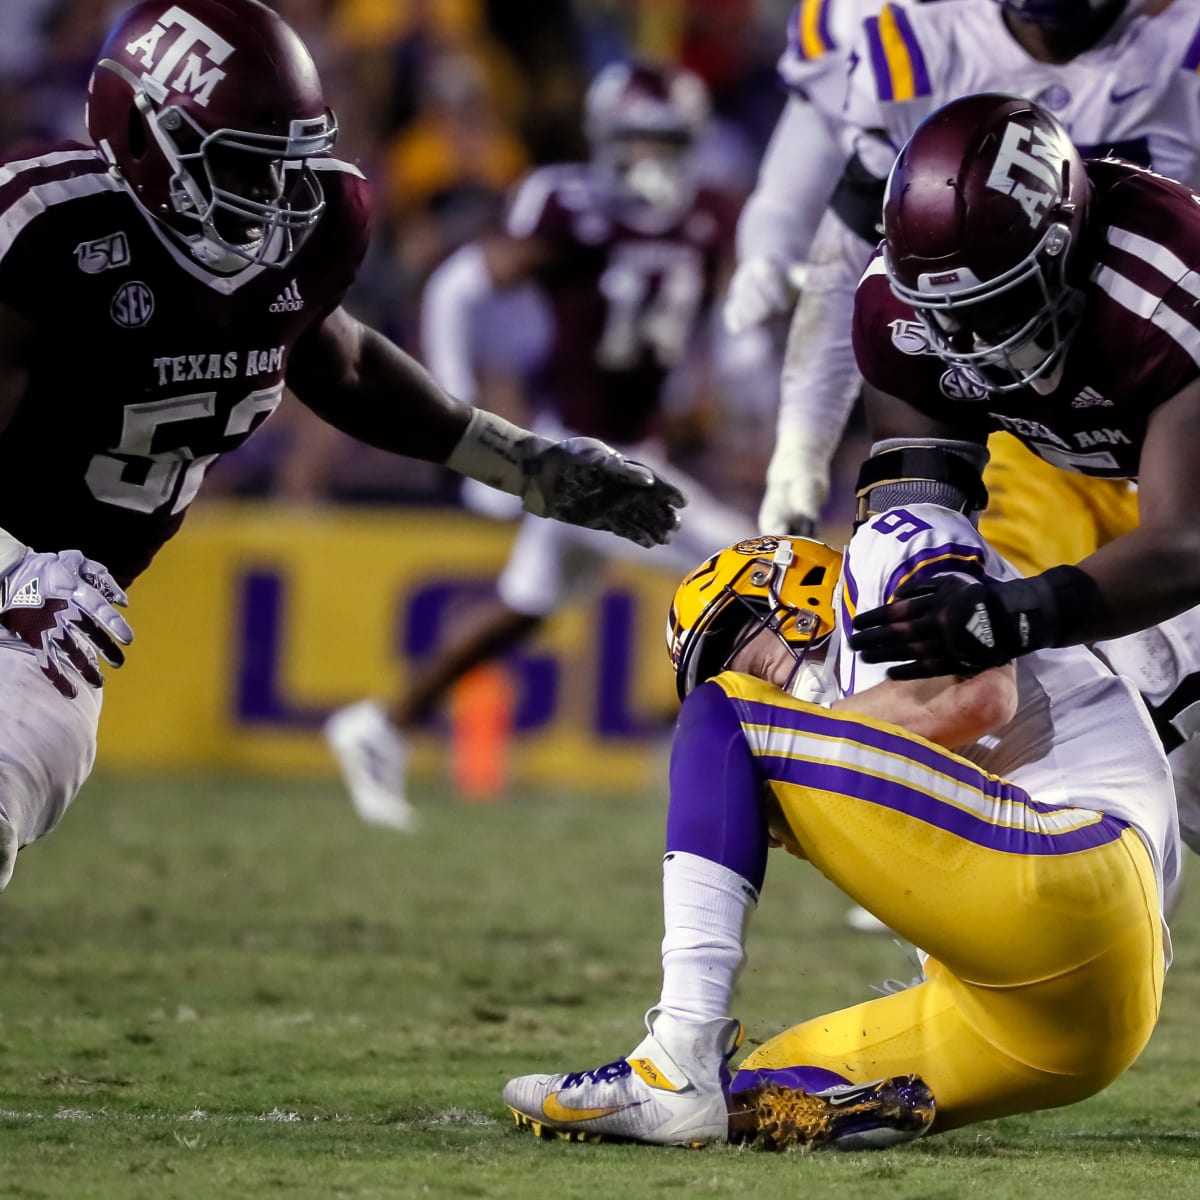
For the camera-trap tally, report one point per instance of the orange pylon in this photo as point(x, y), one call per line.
point(481, 727)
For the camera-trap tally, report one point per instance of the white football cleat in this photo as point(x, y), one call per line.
point(671, 1091)
point(373, 757)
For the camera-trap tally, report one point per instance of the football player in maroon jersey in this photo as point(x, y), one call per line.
point(1019, 288)
point(626, 250)
point(158, 289)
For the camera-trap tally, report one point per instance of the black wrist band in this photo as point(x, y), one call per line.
point(1059, 603)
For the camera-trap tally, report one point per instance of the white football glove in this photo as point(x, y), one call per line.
point(759, 288)
point(581, 481)
point(797, 484)
point(61, 605)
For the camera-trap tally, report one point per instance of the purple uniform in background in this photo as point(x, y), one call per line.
point(626, 301)
point(1137, 345)
point(149, 366)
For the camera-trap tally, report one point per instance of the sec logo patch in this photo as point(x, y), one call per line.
point(133, 305)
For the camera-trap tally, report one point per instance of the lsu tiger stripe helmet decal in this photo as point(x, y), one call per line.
point(784, 584)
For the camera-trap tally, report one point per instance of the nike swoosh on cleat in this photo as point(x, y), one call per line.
point(553, 1111)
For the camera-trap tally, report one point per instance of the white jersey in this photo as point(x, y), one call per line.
point(1135, 95)
point(1081, 735)
point(819, 36)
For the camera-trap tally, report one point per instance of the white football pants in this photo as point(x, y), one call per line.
point(47, 748)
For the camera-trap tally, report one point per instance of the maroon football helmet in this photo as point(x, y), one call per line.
point(982, 221)
point(643, 122)
point(208, 110)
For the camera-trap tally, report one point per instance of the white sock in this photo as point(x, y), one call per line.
point(705, 906)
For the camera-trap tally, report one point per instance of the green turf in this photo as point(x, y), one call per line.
point(229, 988)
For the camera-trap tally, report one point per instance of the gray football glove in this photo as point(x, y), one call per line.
point(586, 482)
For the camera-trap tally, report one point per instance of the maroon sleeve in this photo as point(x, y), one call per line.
point(894, 355)
point(34, 194)
point(337, 248)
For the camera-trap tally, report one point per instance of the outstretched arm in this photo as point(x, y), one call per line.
point(362, 384)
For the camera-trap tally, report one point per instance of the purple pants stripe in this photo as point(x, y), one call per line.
point(900, 797)
point(811, 720)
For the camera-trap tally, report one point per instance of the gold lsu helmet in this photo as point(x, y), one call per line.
point(784, 584)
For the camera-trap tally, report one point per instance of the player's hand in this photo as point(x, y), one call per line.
point(797, 485)
point(586, 482)
point(62, 606)
point(947, 627)
point(759, 288)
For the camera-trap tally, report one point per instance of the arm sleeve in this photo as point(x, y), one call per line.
point(455, 293)
point(820, 380)
point(794, 186)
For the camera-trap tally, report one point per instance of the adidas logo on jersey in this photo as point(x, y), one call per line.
point(1090, 398)
point(29, 596)
point(289, 300)
point(980, 627)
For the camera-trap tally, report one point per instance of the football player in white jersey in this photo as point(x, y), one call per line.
point(1131, 93)
point(1017, 824)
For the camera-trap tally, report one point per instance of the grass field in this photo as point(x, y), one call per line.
point(229, 988)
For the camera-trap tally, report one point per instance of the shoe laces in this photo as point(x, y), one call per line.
point(609, 1073)
point(889, 987)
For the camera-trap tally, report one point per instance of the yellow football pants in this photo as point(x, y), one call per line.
point(1042, 922)
point(1039, 515)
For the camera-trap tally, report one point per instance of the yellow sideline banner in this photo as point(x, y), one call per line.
point(259, 619)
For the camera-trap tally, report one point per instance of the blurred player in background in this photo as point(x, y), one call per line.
point(1018, 825)
point(627, 251)
point(157, 291)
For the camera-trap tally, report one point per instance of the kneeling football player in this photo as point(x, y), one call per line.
point(1018, 825)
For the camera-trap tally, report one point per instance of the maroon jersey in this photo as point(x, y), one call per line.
point(626, 302)
point(1137, 345)
point(147, 366)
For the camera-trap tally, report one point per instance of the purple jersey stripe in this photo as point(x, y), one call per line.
point(820, 724)
point(850, 591)
point(809, 36)
point(1191, 60)
point(937, 560)
point(795, 42)
point(972, 827)
point(920, 72)
point(823, 25)
point(879, 62)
